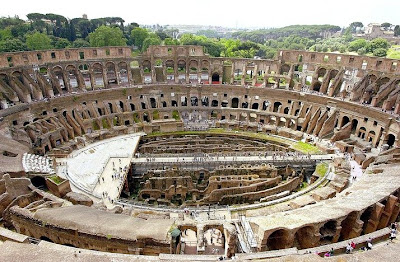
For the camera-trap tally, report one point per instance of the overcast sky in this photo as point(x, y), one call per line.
point(234, 13)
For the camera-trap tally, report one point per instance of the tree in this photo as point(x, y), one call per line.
point(80, 43)
point(357, 44)
point(386, 25)
point(362, 51)
point(107, 36)
point(397, 30)
point(138, 35)
point(12, 45)
point(38, 41)
point(377, 43)
point(356, 24)
point(153, 39)
point(170, 41)
point(60, 43)
point(381, 52)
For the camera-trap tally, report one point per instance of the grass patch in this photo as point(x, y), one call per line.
point(261, 136)
point(306, 148)
point(321, 169)
point(156, 115)
point(394, 52)
point(175, 115)
point(56, 179)
point(105, 123)
point(136, 118)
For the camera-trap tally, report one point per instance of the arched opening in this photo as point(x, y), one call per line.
point(146, 117)
point(391, 140)
point(109, 106)
point(39, 182)
point(245, 105)
point(316, 86)
point(345, 120)
point(214, 103)
point(111, 73)
point(254, 106)
point(153, 103)
point(188, 242)
point(215, 78)
point(194, 101)
point(354, 124)
point(304, 238)
point(276, 106)
point(286, 110)
point(183, 101)
point(265, 105)
point(278, 240)
point(98, 75)
point(347, 226)
point(204, 101)
point(371, 136)
point(327, 232)
point(235, 102)
point(132, 107)
point(361, 132)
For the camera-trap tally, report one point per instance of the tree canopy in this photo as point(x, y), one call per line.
point(107, 36)
point(38, 41)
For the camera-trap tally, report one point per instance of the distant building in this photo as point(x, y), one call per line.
point(84, 16)
point(374, 30)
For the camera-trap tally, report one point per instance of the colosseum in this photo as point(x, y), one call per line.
point(174, 155)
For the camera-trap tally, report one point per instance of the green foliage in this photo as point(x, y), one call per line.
point(78, 43)
point(357, 44)
point(381, 52)
point(38, 41)
point(61, 43)
point(107, 36)
point(394, 52)
point(170, 41)
point(5, 34)
point(156, 115)
point(307, 31)
point(321, 168)
point(362, 51)
point(138, 35)
point(175, 115)
point(397, 30)
point(306, 148)
point(12, 45)
point(56, 179)
point(211, 46)
point(386, 25)
point(105, 123)
point(136, 118)
point(377, 43)
point(95, 125)
point(152, 39)
point(354, 25)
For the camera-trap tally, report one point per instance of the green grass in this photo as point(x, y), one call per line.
point(306, 148)
point(175, 115)
point(321, 168)
point(156, 115)
point(394, 52)
point(136, 118)
point(56, 179)
point(227, 132)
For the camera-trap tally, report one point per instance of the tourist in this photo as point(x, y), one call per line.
point(392, 235)
point(348, 248)
point(369, 244)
